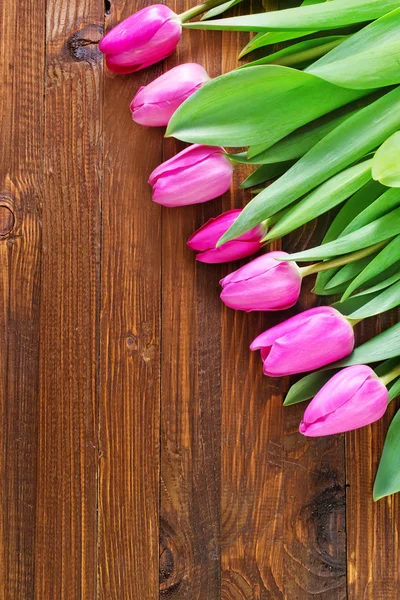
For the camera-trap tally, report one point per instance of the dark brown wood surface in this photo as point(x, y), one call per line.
point(143, 455)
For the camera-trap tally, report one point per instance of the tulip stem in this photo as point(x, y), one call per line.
point(341, 260)
point(195, 11)
point(391, 375)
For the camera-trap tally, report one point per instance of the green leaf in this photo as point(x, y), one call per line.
point(385, 367)
point(307, 387)
point(382, 229)
point(323, 198)
point(381, 302)
point(302, 52)
point(296, 144)
point(217, 10)
point(386, 163)
point(244, 107)
point(357, 203)
point(383, 283)
point(328, 15)
point(388, 201)
point(384, 259)
point(387, 479)
point(352, 304)
point(271, 38)
point(348, 272)
point(382, 347)
point(266, 39)
point(368, 59)
point(349, 142)
point(394, 390)
point(266, 173)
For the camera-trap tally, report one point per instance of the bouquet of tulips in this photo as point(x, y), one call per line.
point(321, 118)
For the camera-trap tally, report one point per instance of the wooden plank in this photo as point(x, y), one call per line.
point(66, 541)
point(21, 183)
point(129, 346)
point(372, 528)
point(314, 488)
point(191, 383)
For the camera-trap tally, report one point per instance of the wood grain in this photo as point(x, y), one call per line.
point(66, 502)
point(372, 528)
point(143, 455)
point(191, 388)
point(21, 184)
point(129, 346)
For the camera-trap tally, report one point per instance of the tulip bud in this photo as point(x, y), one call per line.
point(305, 342)
point(197, 174)
point(352, 398)
point(204, 240)
point(155, 103)
point(263, 284)
point(144, 38)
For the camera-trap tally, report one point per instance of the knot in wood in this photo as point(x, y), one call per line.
point(7, 220)
point(83, 45)
point(171, 561)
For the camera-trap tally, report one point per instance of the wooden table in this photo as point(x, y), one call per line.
point(130, 403)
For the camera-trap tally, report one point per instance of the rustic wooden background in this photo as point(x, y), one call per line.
point(131, 409)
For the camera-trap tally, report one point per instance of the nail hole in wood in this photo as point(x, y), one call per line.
point(107, 7)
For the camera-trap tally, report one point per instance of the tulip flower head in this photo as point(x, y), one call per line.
point(352, 398)
point(144, 38)
point(197, 174)
point(155, 103)
point(305, 342)
point(263, 284)
point(204, 240)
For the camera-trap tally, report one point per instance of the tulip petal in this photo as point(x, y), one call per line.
point(190, 156)
point(208, 235)
point(367, 405)
point(256, 267)
point(136, 30)
point(234, 250)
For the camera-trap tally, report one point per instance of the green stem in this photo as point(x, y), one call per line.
point(341, 260)
point(391, 375)
point(195, 11)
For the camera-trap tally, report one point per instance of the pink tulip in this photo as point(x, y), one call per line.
point(305, 342)
point(155, 103)
point(352, 398)
point(197, 174)
point(144, 38)
point(263, 284)
point(204, 240)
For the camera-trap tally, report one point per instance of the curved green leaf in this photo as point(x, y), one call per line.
point(378, 231)
point(387, 202)
point(366, 60)
point(384, 259)
point(323, 198)
point(348, 272)
point(381, 302)
point(328, 15)
point(385, 281)
point(387, 479)
point(244, 107)
point(296, 144)
point(300, 53)
point(346, 144)
point(268, 39)
point(307, 387)
point(217, 10)
point(266, 173)
point(394, 390)
point(386, 163)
